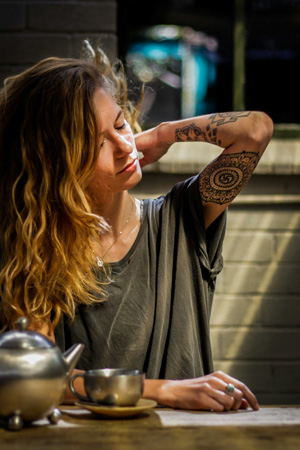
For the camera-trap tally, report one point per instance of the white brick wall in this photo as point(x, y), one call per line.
point(255, 323)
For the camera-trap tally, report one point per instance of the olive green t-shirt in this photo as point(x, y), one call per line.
point(156, 317)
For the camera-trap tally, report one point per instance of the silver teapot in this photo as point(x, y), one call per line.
point(33, 376)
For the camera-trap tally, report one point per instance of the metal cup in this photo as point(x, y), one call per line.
point(114, 387)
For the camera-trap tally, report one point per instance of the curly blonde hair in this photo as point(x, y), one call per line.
point(48, 152)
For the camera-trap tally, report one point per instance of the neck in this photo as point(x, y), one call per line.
point(116, 211)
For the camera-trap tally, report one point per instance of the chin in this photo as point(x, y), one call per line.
point(135, 179)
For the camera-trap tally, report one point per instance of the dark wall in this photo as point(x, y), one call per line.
point(33, 30)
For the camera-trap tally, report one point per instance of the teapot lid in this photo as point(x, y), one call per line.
point(23, 339)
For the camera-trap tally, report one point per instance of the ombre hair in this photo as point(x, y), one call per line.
point(48, 152)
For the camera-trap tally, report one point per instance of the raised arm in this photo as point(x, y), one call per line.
point(243, 136)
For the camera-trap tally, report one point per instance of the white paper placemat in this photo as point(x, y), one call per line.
point(265, 416)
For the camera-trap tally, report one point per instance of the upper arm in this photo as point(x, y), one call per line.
point(224, 178)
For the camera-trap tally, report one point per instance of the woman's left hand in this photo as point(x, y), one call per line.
point(152, 144)
point(216, 391)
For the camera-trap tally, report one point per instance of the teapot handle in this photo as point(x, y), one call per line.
point(72, 389)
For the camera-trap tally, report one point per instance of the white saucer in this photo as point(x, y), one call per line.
point(118, 411)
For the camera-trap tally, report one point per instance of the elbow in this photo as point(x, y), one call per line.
point(267, 127)
point(262, 130)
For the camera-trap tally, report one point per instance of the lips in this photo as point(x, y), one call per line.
point(129, 167)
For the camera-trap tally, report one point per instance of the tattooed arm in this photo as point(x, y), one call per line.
point(243, 136)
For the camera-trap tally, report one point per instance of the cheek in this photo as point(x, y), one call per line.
point(105, 164)
point(102, 176)
point(103, 173)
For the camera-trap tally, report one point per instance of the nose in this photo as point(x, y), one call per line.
point(123, 144)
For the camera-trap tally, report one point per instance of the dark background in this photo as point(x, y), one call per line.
point(272, 46)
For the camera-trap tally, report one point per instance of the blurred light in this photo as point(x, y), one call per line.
point(162, 32)
point(171, 79)
point(181, 58)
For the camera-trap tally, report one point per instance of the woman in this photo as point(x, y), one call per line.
point(84, 260)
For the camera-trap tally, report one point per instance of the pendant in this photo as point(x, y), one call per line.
point(99, 262)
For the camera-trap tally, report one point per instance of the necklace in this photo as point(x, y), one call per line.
point(99, 259)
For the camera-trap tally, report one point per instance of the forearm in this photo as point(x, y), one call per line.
point(249, 130)
point(207, 392)
point(234, 132)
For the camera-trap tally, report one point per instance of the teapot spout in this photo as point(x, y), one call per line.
point(72, 355)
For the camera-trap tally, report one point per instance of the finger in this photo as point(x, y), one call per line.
point(244, 405)
point(225, 401)
point(237, 397)
point(246, 393)
point(214, 405)
point(210, 400)
point(248, 396)
point(144, 161)
point(231, 401)
point(235, 394)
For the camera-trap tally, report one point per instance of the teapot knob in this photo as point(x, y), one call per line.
point(22, 323)
point(15, 422)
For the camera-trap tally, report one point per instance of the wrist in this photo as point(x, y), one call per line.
point(166, 133)
point(159, 390)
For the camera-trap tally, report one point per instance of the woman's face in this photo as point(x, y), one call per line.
point(118, 167)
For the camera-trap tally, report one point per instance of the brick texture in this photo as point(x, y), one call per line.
point(256, 313)
point(252, 279)
point(13, 16)
point(256, 344)
point(239, 246)
point(258, 375)
point(33, 30)
point(31, 47)
point(72, 16)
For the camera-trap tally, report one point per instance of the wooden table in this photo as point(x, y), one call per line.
point(162, 429)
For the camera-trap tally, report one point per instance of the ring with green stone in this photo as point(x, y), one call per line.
point(229, 389)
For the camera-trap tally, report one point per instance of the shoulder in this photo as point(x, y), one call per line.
point(181, 203)
point(177, 195)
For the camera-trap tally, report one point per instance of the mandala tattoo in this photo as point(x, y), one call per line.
point(192, 133)
point(222, 180)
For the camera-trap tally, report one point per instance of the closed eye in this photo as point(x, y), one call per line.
point(124, 125)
